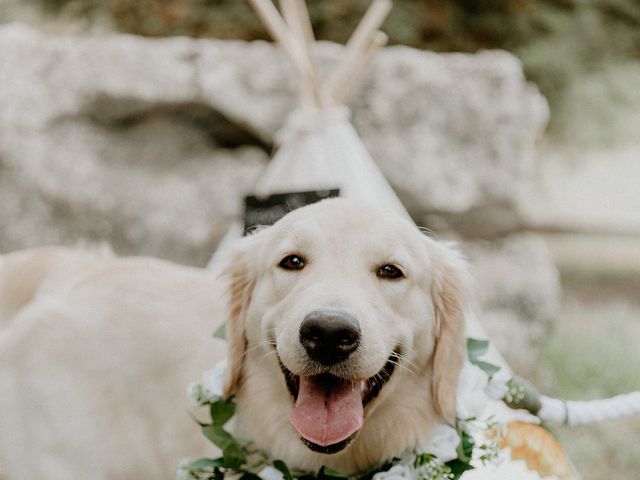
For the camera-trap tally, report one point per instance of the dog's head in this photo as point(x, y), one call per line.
point(344, 316)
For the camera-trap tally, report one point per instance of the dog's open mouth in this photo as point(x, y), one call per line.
point(329, 410)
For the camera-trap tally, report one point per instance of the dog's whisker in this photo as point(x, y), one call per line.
point(256, 347)
point(409, 368)
point(383, 375)
point(270, 352)
point(406, 347)
point(404, 362)
point(403, 358)
point(262, 344)
point(406, 368)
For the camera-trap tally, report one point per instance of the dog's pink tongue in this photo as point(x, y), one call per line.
point(327, 415)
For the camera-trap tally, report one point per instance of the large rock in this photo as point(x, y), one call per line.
point(453, 133)
point(106, 140)
point(150, 144)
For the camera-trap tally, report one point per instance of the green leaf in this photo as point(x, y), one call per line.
point(476, 348)
point(382, 468)
point(522, 394)
point(234, 456)
point(221, 332)
point(467, 444)
point(306, 476)
point(202, 464)
point(465, 447)
point(329, 473)
point(488, 368)
point(458, 467)
point(280, 465)
point(218, 436)
point(423, 459)
point(250, 476)
point(222, 411)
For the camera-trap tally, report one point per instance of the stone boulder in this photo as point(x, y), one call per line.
point(150, 144)
point(453, 133)
point(106, 140)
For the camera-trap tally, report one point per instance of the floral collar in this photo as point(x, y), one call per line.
point(470, 451)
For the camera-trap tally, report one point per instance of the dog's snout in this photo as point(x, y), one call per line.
point(329, 336)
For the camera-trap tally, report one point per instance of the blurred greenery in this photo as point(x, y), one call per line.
point(556, 39)
point(593, 353)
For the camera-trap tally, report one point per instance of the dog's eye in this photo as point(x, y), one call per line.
point(292, 262)
point(390, 272)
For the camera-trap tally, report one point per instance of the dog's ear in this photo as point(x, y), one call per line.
point(235, 271)
point(450, 300)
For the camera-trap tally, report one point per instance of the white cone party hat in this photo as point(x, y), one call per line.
point(319, 153)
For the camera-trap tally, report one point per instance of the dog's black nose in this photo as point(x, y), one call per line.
point(329, 336)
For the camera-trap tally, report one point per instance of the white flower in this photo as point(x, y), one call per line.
point(397, 472)
point(497, 388)
point(194, 392)
point(211, 387)
point(270, 473)
point(472, 400)
point(181, 473)
point(213, 380)
point(509, 470)
point(443, 443)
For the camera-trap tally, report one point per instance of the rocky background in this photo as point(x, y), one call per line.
point(149, 145)
point(583, 54)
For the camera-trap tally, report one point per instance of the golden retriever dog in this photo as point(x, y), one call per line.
point(345, 339)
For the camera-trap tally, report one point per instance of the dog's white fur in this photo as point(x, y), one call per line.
point(95, 357)
point(96, 352)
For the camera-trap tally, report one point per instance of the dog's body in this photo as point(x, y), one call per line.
point(95, 357)
point(96, 352)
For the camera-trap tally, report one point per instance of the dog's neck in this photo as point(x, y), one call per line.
point(399, 420)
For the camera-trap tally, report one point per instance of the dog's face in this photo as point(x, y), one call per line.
point(345, 317)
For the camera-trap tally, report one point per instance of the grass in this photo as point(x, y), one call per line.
point(593, 352)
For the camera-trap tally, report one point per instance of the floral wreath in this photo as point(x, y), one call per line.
point(469, 451)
